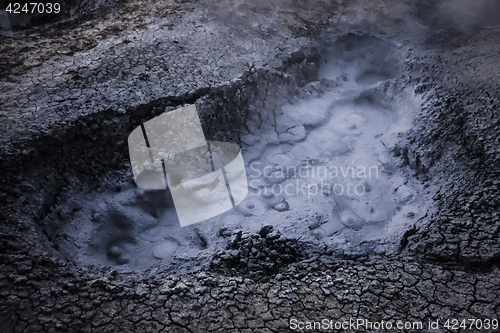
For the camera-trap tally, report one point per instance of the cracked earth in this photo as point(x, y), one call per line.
point(72, 90)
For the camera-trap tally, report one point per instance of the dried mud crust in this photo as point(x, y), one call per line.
point(79, 27)
point(47, 296)
point(453, 145)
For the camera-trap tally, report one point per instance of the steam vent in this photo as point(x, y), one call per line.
point(250, 166)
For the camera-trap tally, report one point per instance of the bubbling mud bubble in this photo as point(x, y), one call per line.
point(348, 124)
point(269, 197)
point(233, 219)
point(230, 222)
point(281, 206)
point(374, 212)
point(118, 251)
point(165, 249)
point(251, 206)
point(328, 229)
point(371, 201)
point(351, 220)
point(123, 259)
point(115, 251)
point(281, 159)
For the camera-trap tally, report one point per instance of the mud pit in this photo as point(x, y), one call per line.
point(321, 167)
point(317, 96)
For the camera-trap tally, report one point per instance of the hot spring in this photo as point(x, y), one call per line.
point(320, 139)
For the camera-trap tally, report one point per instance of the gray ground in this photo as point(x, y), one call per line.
point(71, 94)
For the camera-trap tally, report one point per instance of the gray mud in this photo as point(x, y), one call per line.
point(408, 88)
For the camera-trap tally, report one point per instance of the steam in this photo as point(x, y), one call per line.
point(460, 15)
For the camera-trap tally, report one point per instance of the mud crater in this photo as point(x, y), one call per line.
point(318, 136)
